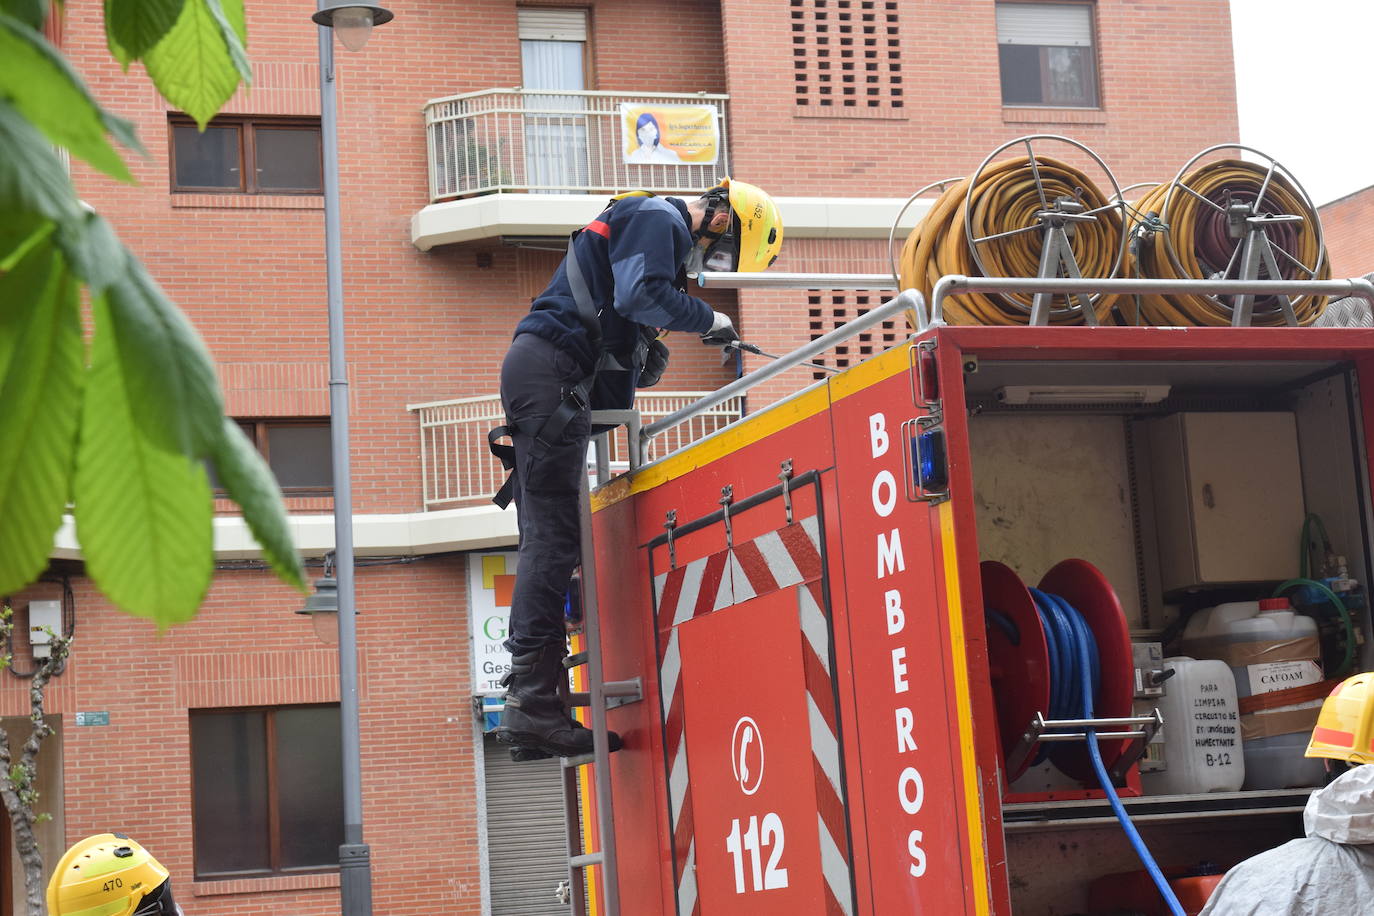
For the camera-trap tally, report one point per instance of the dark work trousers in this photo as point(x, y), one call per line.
point(534, 377)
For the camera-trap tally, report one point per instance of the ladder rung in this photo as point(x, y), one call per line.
point(523, 754)
point(616, 693)
point(634, 687)
point(579, 760)
point(585, 861)
point(574, 660)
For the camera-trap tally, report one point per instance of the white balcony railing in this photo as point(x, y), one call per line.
point(552, 141)
point(457, 466)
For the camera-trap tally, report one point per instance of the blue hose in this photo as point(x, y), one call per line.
point(1075, 674)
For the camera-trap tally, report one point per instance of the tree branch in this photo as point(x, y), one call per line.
point(17, 780)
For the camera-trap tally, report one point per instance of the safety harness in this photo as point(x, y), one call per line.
point(576, 398)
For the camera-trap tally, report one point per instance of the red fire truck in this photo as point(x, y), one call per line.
point(826, 717)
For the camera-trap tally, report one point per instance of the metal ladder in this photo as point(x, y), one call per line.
point(600, 696)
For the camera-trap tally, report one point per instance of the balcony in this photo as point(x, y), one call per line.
point(553, 141)
point(459, 470)
point(521, 163)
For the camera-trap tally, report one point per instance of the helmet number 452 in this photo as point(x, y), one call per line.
point(752, 841)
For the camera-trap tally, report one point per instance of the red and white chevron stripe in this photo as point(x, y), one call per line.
point(786, 558)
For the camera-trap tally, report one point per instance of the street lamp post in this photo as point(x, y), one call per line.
point(353, 23)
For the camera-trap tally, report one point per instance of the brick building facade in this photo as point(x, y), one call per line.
point(429, 322)
point(1348, 227)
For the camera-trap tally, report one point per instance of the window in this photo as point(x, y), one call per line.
point(553, 55)
point(267, 790)
point(1046, 54)
point(236, 155)
point(298, 452)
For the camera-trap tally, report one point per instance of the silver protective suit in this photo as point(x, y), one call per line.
point(1330, 872)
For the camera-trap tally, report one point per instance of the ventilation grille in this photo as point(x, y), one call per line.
point(826, 311)
point(847, 58)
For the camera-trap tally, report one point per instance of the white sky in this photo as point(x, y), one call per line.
point(1304, 74)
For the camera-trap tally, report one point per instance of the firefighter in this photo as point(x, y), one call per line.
point(587, 342)
point(1332, 868)
point(110, 875)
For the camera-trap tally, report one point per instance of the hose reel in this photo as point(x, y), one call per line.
point(942, 185)
point(1036, 216)
point(1024, 216)
point(1227, 219)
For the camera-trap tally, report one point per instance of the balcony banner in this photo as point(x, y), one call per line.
point(669, 134)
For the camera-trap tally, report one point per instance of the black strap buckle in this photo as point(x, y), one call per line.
point(506, 454)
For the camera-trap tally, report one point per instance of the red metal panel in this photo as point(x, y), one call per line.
point(754, 797)
point(1158, 343)
point(627, 640)
point(748, 468)
point(835, 578)
point(950, 362)
point(727, 586)
point(907, 724)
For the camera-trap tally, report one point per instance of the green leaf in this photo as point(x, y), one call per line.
point(33, 13)
point(193, 66)
point(32, 179)
point(229, 17)
point(95, 253)
point(245, 475)
point(134, 26)
point(233, 13)
point(174, 394)
point(19, 234)
point(40, 388)
point(117, 52)
point(143, 512)
point(45, 89)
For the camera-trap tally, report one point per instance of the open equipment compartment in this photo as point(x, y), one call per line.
point(1073, 450)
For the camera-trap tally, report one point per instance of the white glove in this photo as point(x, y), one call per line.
point(722, 331)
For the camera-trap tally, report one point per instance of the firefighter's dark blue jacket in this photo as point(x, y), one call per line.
point(631, 257)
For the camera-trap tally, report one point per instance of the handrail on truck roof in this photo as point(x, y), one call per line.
point(909, 299)
point(955, 283)
point(949, 285)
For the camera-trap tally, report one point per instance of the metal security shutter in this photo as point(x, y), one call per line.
point(527, 850)
point(552, 25)
point(1056, 25)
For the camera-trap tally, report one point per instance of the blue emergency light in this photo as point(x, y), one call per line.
point(929, 460)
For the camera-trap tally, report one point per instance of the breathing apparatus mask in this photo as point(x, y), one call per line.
point(159, 903)
point(715, 251)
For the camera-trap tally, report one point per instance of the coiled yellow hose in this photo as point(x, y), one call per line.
point(1006, 198)
point(1194, 242)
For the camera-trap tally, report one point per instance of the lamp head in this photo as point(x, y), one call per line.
point(325, 598)
point(352, 22)
point(323, 609)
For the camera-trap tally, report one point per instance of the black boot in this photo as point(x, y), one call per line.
point(535, 717)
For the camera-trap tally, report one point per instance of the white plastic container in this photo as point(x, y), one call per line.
point(1202, 742)
point(1268, 647)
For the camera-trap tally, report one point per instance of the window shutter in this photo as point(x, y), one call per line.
point(552, 25)
point(1045, 24)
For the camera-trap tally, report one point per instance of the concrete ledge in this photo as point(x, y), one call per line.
point(412, 534)
point(555, 215)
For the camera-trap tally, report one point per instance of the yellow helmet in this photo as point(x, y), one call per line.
point(109, 875)
point(1345, 726)
point(755, 233)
